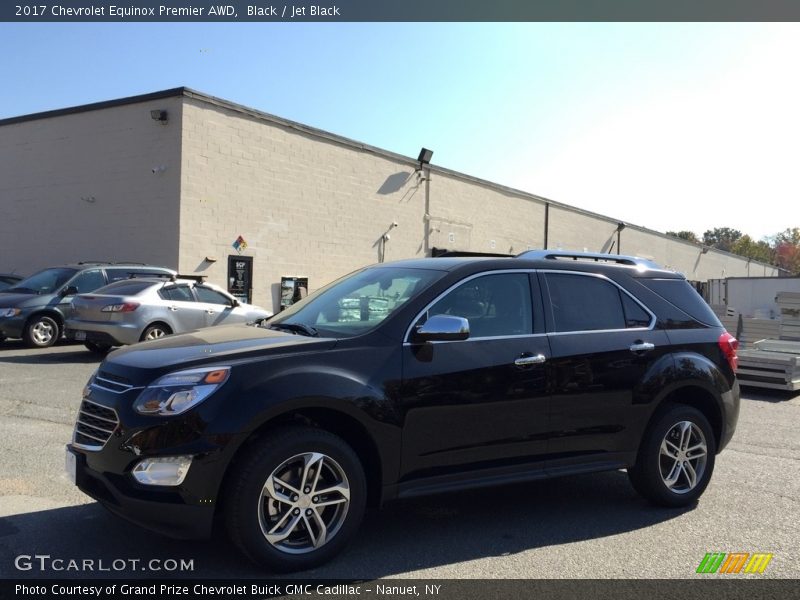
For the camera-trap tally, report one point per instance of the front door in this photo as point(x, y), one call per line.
point(481, 402)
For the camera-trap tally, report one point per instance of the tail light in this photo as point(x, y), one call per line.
point(729, 345)
point(124, 307)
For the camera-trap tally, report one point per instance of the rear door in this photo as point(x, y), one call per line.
point(603, 344)
point(481, 402)
point(183, 312)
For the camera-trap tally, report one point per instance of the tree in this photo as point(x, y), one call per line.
point(689, 236)
point(722, 238)
point(787, 249)
point(748, 247)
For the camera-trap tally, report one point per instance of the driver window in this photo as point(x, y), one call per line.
point(494, 305)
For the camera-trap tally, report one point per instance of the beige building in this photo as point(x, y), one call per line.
point(176, 177)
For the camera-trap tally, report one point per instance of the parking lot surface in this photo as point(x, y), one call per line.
point(590, 526)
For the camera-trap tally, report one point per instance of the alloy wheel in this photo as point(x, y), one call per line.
point(683, 457)
point(303, 503)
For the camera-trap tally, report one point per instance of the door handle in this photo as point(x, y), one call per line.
point(173, 308)
point(210, 311)
point(533, 359)
point(642, 347)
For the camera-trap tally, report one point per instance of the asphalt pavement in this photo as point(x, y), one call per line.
point(589, 526)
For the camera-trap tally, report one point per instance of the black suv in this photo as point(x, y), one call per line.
point(411, 378)
point(35, 308)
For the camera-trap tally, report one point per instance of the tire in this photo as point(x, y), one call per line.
point(251, 512)
point(96, 348)
point(671, 469)
point(155, 331)
point(41, 331)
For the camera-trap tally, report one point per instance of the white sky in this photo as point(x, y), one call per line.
point(716, 150)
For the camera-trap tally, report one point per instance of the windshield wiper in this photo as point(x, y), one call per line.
point(300, 328)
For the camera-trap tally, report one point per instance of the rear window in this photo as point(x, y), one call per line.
point(679, 293)
point(128, 287)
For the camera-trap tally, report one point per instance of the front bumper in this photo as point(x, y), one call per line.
point(13, 327)
point(164, 512)
point(184, 511)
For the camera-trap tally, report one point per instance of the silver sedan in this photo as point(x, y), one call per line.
point(133, 310)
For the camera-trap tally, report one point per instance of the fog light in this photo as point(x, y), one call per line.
point(162, 470)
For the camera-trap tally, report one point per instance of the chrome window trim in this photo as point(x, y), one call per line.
point(650, 327)
point(406, 338)
point(653, 318)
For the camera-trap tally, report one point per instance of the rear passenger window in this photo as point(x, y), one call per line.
point(177, 293)
point(584, 303)
point(494, 305)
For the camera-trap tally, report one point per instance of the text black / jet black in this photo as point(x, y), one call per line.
point(411, 378)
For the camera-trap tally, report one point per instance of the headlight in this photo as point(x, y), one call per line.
point(9, 312)
point(177, 392)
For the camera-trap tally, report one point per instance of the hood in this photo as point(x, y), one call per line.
point(10, 299)
point(212, 344)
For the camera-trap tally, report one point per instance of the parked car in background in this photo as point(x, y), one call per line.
point(134, 310)
point(411, 378)
point(35, 308)
point(7, 280)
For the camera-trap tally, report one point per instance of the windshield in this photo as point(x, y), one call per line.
point(44, 282)
point(357, 302)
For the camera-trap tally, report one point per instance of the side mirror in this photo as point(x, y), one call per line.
point(70, 290)
point(441, 328)
point(235, 303)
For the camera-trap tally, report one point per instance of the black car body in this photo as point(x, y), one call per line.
point(569, 366)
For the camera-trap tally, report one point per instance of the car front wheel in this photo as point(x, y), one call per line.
point(41, 331)
point(676, 458)
point(296, 499)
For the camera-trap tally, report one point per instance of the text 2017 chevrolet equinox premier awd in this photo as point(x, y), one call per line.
point(411, 378)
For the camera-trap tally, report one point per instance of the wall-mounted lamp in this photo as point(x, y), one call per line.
point(211, 259)
point(424, 157)
point(158, 115)
point(620, 226)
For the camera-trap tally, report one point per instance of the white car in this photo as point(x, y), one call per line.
point(138, 309)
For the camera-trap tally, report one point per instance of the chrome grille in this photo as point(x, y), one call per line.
point(111, 383)
point(94, 426)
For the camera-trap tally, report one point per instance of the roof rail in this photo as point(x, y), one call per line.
point(94, 262)
point(196, 278)
point(145, 274)
point(619, 259)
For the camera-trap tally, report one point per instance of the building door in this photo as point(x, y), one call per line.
point(240, 278)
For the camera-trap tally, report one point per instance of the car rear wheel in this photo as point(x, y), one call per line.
point(676, 458)
point(41, 331)
point(296, 499)
point(98, 348)
point(155, 331)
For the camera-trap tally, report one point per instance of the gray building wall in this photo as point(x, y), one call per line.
point(80, 186)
